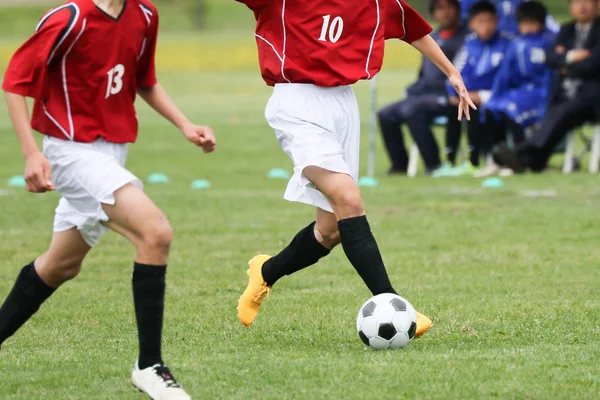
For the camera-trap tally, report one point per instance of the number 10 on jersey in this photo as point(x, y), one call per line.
point(332, 29)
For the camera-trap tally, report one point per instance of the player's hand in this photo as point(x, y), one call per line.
point(38, 174)
point(466, 104)
point(201, 136)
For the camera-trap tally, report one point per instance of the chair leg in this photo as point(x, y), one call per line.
point(595, 156)
point(569, 151)
point(413, 161)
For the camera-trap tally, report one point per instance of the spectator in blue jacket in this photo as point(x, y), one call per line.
point(521, 89)
point(426, 99)
point(479, 62)
point(575, 98)
point(507, 19)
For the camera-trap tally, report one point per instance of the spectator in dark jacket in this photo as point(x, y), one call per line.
point(576, 97)
point(426, 98)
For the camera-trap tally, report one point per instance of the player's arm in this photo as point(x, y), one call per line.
point(26, 76)
point(405, 23)
point(430, 49)
point(38, 173)
point(157, 97)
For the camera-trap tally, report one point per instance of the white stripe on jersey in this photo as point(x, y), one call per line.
point(64, 72)
point(270, 44)
point(70, 135)
point(284, 42)
point(51, 13)
point(403, 24)
point(147, 13)
point(69, 29)
point(373, 40)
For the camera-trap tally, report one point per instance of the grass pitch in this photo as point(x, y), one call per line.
point(510, 279)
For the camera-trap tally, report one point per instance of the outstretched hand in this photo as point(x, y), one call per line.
point(465, 104)
point(201, 136)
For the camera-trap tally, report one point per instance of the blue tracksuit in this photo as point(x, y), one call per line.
point(479, 61)
point(522, 85)
point(507, 20)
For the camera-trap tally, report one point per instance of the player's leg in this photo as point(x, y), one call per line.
point(136, 217)
point(312, 243)
point(38, 280)
point(355, 234)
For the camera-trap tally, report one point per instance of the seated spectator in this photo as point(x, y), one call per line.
point(426, 98)
point(576, 98)
point(479, 62)
point(521, 88)
point(507, 20)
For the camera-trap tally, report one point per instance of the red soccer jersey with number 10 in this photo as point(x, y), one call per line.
point(329, 42)
point(82, 67)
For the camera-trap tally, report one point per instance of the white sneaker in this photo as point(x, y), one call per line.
point(505, 172)
point(488, 170)
point(158, 383)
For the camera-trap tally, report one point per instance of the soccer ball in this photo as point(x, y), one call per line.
point(386, 321)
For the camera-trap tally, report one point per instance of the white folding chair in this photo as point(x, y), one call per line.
point(413, 156)
point(592, 145)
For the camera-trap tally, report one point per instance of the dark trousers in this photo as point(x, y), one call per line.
point(497, 130)
point(454, 132)
point(418, 113)
point(559, 120)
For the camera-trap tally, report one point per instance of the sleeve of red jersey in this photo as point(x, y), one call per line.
point(146, 69)
point(403, 22)
point(28, 69)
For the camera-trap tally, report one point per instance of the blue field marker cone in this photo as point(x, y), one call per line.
point(278, 173)
point(368, 181)
point(492, 183)
point(17, 181)
point(157, 177)
point(200, 184)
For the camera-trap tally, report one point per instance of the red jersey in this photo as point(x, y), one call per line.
point(82, 67)
point(329, 42)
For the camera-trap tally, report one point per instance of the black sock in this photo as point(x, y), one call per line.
point(304, 251)
point(362, 251)
point(25, 298)
point(149, 300)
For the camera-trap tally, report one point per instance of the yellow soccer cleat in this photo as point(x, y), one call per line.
point(257, 289)
point(423, 324)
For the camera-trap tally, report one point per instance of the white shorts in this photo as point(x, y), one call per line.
point(86, 175)
point(315, 126)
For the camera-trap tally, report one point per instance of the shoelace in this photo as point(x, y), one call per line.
point(261, 294)
point(166, 376)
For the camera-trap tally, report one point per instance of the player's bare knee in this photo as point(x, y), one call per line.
point(158, 235)
point(349, 204)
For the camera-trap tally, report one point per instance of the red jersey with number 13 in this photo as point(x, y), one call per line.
point(82, 67)
point(329, 42)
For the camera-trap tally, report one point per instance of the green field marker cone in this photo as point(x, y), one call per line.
point(492, 183)
point(278, 173)
point(200, 184)
point(157, 178)
point(368, 181)
point(17, 181)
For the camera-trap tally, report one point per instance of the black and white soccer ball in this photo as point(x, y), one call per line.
point(386, 321)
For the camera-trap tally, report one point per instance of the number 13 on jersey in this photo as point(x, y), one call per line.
point(115, 80)
point(332, 29)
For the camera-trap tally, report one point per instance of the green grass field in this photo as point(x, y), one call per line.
point(510, 279)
